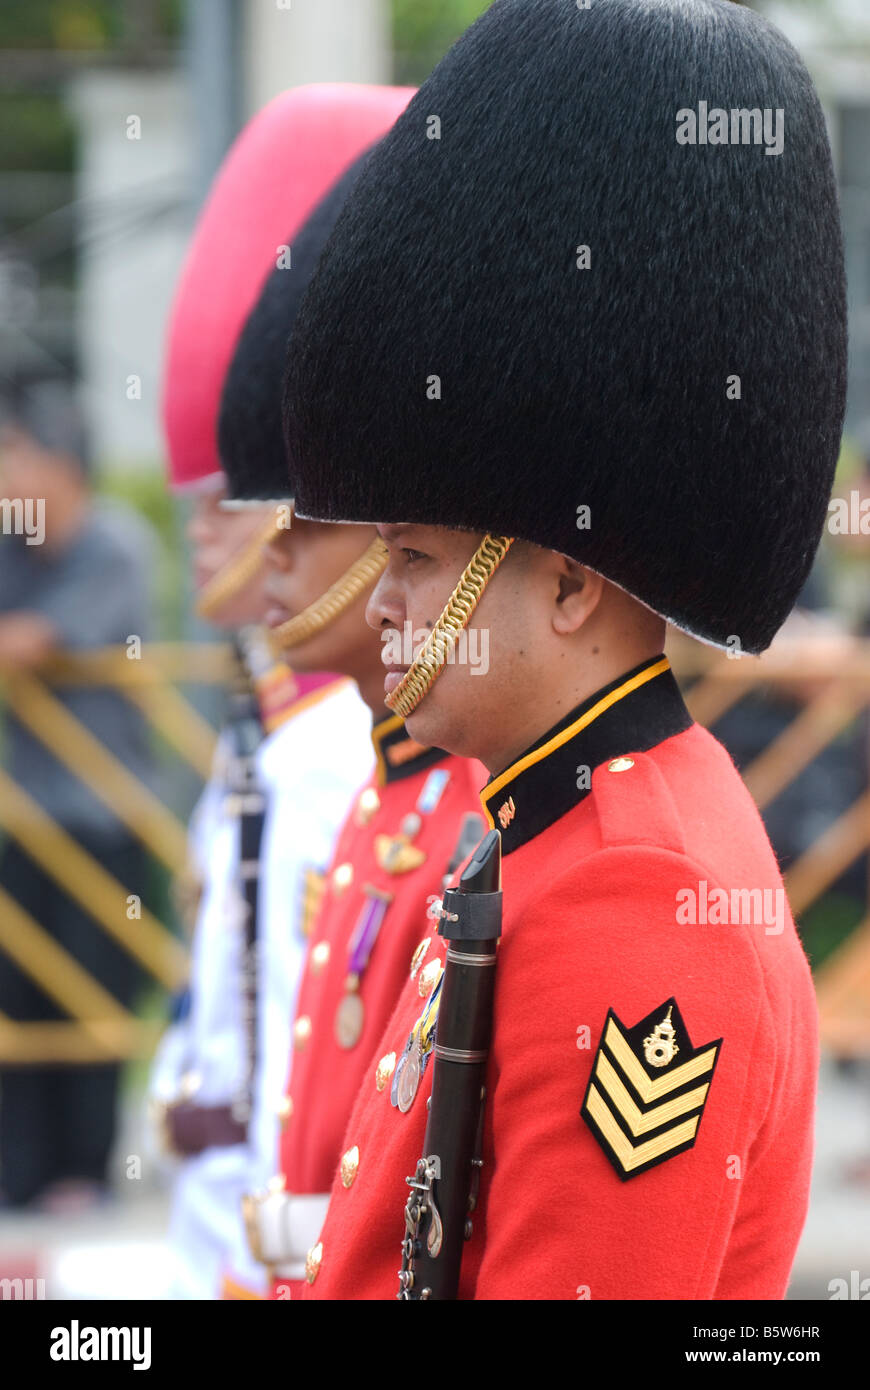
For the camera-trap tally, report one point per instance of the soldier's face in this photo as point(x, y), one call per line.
point(483, 697)
point(302, 563)
point(216, 538)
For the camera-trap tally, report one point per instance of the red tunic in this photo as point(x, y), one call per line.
point(416, 789)
point(677, 1185)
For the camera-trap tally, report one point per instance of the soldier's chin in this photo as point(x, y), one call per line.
point(306, 658)
point(430, 722)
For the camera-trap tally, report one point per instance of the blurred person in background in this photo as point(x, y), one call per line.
point(75, 579)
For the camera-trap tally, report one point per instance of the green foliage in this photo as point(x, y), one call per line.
point(35, 133)
point(423, 30)
point(38, 24)
point(84, 25)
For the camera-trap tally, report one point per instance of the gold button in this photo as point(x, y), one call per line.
point(342, 877)
point(417, 957)
point(385, 1068)
point(349, 1165)
point(620, 765)
point(301, 1032)
point(278, 1183)
point(368, 805)
point(429, 977)
point(285, 1110)
point(313, 1261)
point(319, 957)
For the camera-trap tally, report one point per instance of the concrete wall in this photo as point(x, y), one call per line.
point(134, 220)
point(139, 188)
point(287, 42)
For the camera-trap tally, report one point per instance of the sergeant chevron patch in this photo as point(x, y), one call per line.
point(648, 1089)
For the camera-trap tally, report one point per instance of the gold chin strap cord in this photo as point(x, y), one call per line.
point(238, 571)
point(339, 596)
point(435, 652)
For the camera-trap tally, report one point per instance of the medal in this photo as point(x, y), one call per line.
point(349, 1019)
point(433, 790)
point(412, 1065)
point(395, 854)
point(409, 1078)
point(350, 1014)
point(399, 1068)
point(313, 887)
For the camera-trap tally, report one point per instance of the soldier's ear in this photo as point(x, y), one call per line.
point(579, 594)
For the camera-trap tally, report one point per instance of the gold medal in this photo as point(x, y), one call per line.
point(349, 1018)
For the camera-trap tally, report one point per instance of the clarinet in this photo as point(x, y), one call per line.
point(247, 735)
point(444, 1186)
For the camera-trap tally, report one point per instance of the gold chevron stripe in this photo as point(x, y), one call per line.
point(629, 1155)
point(654, 1090)
point(637, 1121)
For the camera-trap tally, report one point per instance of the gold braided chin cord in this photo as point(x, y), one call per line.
point(339, 596)
point(238, 571)
point(436, 650)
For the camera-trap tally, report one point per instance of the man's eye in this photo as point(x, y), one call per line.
point(412, 555)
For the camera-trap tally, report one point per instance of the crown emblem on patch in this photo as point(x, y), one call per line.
point(648, 1089)
point(660, 1046)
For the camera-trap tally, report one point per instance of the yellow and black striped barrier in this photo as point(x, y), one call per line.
point(830, 693)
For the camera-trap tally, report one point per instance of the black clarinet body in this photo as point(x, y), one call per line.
point(439, 1209)
point(246, 732)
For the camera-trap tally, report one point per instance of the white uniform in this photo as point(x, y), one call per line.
point(309, 769)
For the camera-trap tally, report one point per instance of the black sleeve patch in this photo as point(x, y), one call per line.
point(648, 1089)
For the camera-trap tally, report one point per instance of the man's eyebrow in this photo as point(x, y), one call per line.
point(393, 532)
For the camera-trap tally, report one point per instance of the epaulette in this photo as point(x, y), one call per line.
point(634, 805)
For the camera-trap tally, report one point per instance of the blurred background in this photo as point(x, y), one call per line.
point(114, 116)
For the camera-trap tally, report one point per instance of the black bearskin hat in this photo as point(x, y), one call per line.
point(546, 313)
point(250, 433)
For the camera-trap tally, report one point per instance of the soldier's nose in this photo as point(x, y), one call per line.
point(385, 607)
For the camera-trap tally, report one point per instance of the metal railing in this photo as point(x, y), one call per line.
point(98, 1028)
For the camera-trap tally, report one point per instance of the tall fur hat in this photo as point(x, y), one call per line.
point(250, 434)
point(664, 406)
point(275, 174)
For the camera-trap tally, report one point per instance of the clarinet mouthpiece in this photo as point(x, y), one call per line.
point(483, 872)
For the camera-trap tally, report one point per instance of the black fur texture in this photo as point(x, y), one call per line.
point(250, 434)
point(606, 387)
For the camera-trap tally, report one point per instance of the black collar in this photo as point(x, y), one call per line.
point(631, 715)
point(397, 754)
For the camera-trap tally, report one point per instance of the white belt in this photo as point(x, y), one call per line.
point(282, 1227)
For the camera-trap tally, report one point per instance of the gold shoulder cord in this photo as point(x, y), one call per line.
point(340, 595)
point(435, 651)
point(238, 571)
